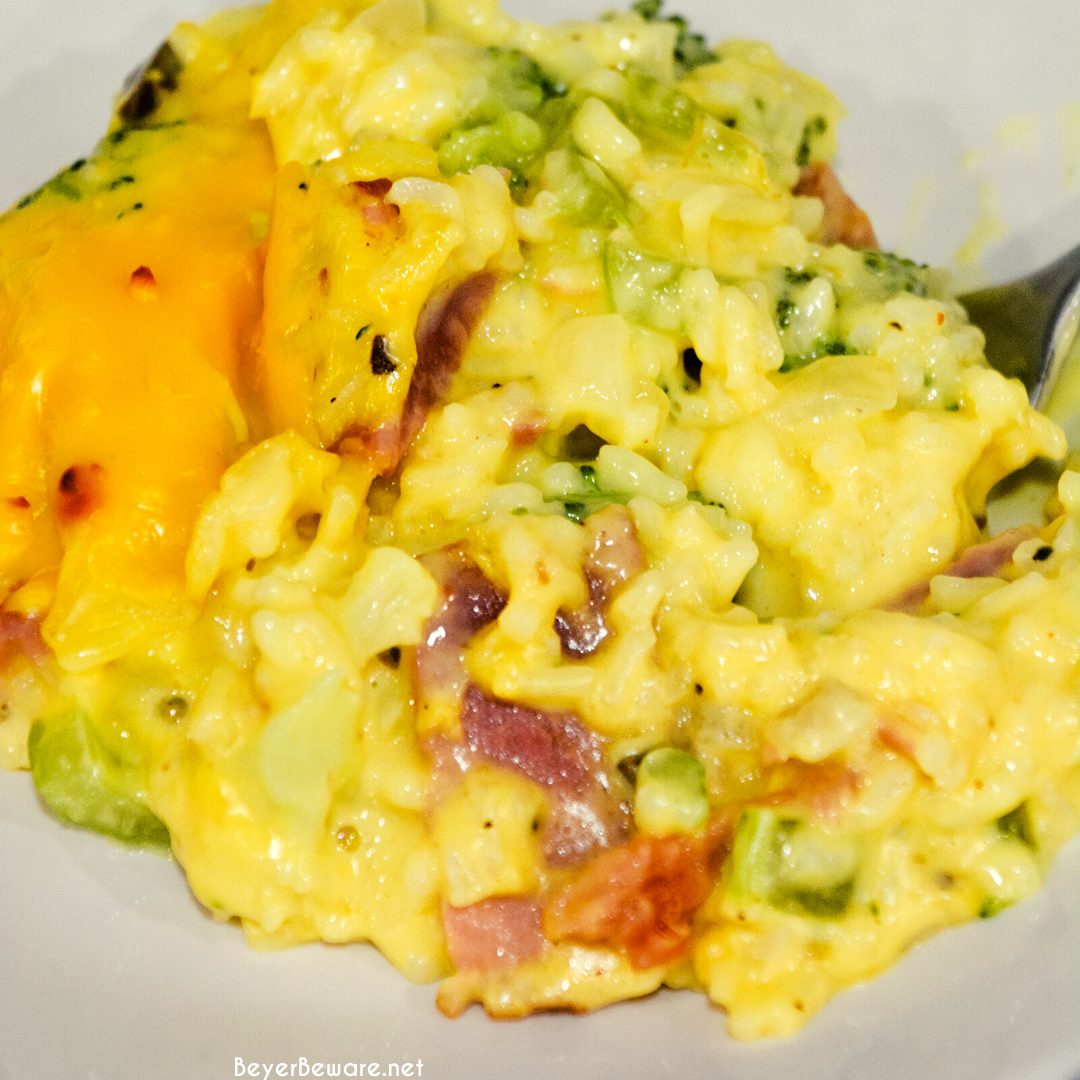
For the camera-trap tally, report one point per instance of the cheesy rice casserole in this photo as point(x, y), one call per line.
point(478, 487)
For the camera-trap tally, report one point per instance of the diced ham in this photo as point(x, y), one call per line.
point(582, 630)
point(470, 602)
point(380, 216)
point(988, 559)
point(579, 826)
point(556, 751)
point(381, 446)
point(617, 554)
point(527, 429)
point(821, 786)
point(553, 749)
point(20, 635)
point(615, 557)
point(844, 222)
point(370, 198)
point(443, 332)
point(500, 932)
point(473, 600)
point(639, 898)
point(373, 189)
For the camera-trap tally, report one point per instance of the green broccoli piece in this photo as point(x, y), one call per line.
point(84, 784)
point(691, 49)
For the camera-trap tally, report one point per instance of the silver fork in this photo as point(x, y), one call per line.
point(1031, 323)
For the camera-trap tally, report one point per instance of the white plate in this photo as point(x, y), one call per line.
point(958, 128)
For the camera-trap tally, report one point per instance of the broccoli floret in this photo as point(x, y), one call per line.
point(511, 142)
point(658, 110)
point(691, 49)
point(500, 129)
point(84, 784)
point(791, 865)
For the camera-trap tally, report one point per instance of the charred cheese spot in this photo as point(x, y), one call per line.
point(382, 363)
point(80, 491)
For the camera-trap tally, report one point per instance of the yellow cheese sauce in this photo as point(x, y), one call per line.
point(476, 487)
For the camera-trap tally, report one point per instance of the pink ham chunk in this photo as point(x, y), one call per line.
point(553, 749)
point(988, 559)
point(445, 326)
point(844, 221)
point(20, 635)
point(615, 557)
point(556, 751)
point(470, 602)
point(500, 932)
point(639, 898)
